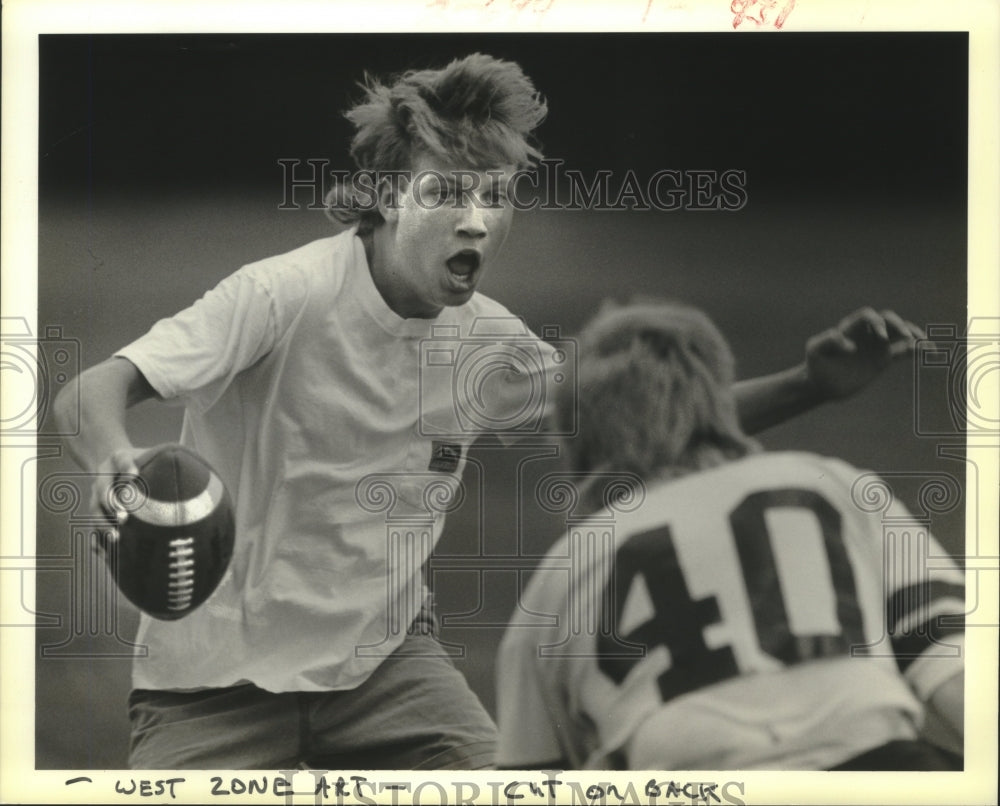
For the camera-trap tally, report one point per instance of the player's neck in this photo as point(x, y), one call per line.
point(381, 277)
point(368, 241)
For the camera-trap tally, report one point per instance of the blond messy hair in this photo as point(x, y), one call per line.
point(477, 112)
point(653, 395)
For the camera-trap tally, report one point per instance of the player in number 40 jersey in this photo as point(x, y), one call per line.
point(722, 607)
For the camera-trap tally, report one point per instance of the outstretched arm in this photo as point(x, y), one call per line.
point(102, 446)
point(838, 362)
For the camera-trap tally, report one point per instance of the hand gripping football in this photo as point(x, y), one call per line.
point(174, 547)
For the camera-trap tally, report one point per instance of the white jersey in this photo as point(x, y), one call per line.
point(756, 615)
point(341, 431)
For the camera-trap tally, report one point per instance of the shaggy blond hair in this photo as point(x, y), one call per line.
point(477, 112)
point(653, 395)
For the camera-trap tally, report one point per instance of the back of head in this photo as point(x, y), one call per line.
point(477, 113)
point(653, 395)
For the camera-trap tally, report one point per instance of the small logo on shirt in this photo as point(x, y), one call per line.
point(445, 456)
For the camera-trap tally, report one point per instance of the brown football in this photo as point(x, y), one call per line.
point(175, 545)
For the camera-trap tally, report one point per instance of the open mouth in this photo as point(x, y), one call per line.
point(464, 263)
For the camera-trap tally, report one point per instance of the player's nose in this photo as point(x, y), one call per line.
point(471, 221)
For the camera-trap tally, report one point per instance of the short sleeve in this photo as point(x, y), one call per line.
point(504, 378)
point(524, 711)
point(923, 590)
point(925, 606)
point(194, 355)
point(525, 399)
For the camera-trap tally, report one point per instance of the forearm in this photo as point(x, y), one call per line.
point(102, 432)
point(103, 394)
point(839, 362)
point(772, 399)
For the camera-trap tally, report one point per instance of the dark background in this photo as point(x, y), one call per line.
point(159, 175)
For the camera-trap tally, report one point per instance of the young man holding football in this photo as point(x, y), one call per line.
point(300, 377)
point(729, 608)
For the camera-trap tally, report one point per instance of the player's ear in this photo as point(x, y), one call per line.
point(388, 197)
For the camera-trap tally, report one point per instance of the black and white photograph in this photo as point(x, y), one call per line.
point(511, 412)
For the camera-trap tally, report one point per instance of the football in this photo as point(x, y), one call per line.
point(175, 544)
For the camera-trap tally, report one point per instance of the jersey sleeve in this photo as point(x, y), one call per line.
point(524, 716)
point(193, 356)
point(925, 606)
point(530, 715)
point(922, 589)
point(509, 377)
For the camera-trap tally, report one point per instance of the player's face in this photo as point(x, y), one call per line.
point(448, 226)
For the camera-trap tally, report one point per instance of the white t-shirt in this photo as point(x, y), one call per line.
point(338, 432)
point(737, 618)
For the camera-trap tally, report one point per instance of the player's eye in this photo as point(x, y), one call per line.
point(496, 197)
point(434, 194)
